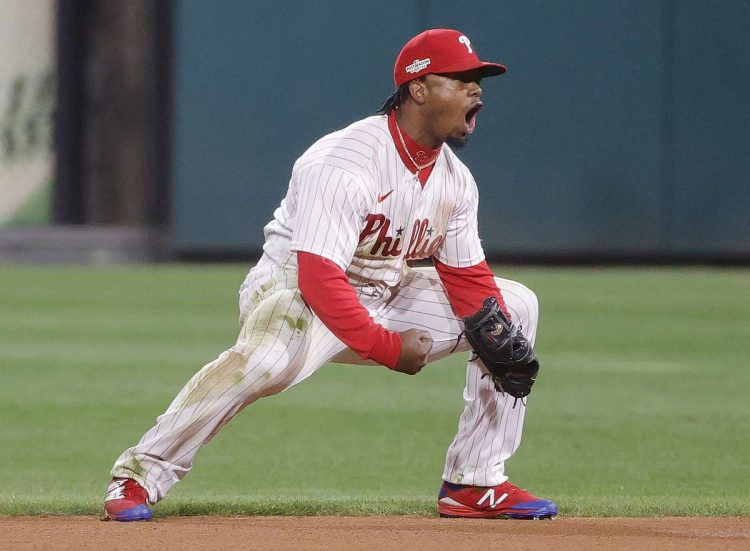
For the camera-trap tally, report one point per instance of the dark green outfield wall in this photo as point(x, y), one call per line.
point(621, 127)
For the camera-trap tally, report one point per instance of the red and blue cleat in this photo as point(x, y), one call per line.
point(126, 500)
point(502, 501)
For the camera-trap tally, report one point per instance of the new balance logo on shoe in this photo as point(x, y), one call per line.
point(115, 490)
point(490, 495)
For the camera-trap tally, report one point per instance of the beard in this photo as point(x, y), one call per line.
point(457, 143)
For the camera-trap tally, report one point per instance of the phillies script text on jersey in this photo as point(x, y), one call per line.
point(421, 243)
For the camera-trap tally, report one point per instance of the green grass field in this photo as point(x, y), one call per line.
point(642, 406)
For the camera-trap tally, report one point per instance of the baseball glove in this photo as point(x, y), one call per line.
point(505, 352)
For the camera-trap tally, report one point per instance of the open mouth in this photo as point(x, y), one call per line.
point(471, 118)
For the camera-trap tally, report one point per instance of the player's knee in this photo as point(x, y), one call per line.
point(531, 301)
point(255, 361)
point(523, 303)
point(266, 369)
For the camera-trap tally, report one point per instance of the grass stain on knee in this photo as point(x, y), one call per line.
point(214, 378)
point(299, 324)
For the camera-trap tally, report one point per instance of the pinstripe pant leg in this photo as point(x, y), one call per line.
point(490, 427)
point(281, 343)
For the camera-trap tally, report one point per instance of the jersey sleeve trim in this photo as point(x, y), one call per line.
point(473, 261)
point(327, 254)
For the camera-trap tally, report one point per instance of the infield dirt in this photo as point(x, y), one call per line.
point(376, 533)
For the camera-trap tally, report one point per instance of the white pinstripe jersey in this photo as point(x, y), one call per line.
point(352, 200)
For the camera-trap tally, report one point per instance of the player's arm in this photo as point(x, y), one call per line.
point(326, 290)
point(332, 204)
point(467, 287)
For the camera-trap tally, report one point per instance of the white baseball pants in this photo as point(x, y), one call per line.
point(282, 342)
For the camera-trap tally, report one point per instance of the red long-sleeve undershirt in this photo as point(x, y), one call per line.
point(468, 287)
point(327, 291)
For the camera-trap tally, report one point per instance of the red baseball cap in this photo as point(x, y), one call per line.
point(440, 51)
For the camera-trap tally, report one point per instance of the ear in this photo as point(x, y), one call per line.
point(418, 91)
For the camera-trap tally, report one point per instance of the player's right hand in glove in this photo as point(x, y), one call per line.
point(415, 347)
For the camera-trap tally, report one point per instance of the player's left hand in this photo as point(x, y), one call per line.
point(504, 350)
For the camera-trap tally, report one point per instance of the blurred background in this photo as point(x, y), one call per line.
point(136, 130)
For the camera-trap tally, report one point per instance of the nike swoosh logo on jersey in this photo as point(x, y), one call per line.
point(383, 197)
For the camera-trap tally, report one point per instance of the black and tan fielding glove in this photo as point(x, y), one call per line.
point(505, 352)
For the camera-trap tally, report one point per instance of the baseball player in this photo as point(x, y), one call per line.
point(335, 284)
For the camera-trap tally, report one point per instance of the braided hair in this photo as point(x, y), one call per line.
point(396, 99)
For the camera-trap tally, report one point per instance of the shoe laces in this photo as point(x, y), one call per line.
point(511, 488)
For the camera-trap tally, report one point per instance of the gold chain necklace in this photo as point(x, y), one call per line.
point(403, 144)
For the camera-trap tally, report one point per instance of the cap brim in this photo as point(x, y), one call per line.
point(492, 69)
point(487, 69)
